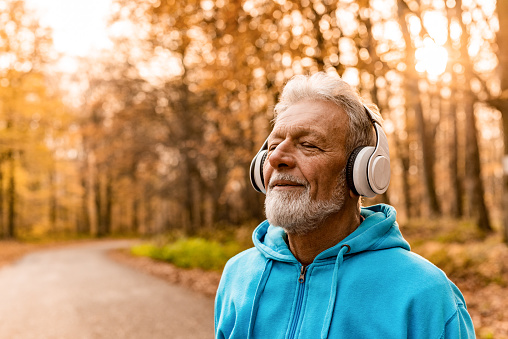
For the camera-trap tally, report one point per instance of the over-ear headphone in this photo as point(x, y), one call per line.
point(367, 169)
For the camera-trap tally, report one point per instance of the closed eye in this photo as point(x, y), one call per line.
point(272, 147)
point(310, 146)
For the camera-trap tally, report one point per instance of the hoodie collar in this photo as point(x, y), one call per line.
point(379, 230)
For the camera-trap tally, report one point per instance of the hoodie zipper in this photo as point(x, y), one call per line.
point(299, 301)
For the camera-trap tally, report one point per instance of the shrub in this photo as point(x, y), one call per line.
point(191, 253)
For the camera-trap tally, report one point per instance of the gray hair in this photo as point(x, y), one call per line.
point(321, 86)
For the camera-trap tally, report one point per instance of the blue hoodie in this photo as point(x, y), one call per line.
point(367, 286)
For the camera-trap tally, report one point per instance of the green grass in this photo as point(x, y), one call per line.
point(209, 249)
point(191, 253)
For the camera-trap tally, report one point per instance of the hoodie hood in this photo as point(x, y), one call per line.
point(378, 231)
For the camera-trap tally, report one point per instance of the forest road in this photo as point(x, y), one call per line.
point(78, 292)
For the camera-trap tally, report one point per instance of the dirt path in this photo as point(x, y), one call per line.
point(78, 292)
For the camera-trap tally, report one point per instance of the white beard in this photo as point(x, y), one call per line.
point(298, 213)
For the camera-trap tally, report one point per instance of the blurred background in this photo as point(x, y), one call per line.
point(132, 116)
point(141, 117)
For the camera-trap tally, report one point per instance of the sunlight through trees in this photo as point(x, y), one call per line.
point(158, 132)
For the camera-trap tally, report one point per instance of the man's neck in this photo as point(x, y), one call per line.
point(332, 230)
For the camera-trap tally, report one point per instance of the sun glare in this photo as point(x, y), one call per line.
point(431, 58)
point(79, 27)
point(437, 26)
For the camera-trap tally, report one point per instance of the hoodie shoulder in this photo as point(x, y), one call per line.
point(249, 257)
point(246, 265)
point(240, 274)
point(400, 265)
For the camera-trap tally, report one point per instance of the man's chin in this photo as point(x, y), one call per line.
point(294, 228)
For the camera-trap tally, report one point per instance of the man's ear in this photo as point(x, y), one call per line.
point(353, 195)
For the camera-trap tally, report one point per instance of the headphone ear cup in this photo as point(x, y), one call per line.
point(379, 174)
point(349, 169)
point(257, 178)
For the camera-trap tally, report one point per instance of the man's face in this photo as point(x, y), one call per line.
point(306, 155)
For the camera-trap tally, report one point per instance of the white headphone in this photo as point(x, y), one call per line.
point(367, 169)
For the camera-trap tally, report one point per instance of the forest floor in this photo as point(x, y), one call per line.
point(478, 267)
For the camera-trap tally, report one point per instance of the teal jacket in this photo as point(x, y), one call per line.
point(367, 286)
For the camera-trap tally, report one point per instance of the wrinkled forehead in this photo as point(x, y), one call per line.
point(322, 119)
point(296, 130)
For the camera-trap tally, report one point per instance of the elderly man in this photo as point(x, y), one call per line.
point(322, 266)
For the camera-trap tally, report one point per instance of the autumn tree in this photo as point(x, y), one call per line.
point(26, 102)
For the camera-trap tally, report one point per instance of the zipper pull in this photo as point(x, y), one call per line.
point(301, 279)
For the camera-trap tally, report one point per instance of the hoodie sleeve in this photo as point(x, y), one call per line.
point(460, 324)
point(217, 311)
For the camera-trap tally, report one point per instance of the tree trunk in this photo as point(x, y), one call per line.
point(108, 218)
point(428, 153)
point(83, 222)
point(11, 197)
point(402, 150)
point(457, 207)
point(473, 168)
point(98, 207)
point(91, 189)
point(196, 209)
point(502, 101)
point(413, 101)
point(52, 201)
point(135, 215)
point(456, 179)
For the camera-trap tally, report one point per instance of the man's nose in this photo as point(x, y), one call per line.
point(283, 155)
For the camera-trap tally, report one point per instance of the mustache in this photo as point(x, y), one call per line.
point(285, 176)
